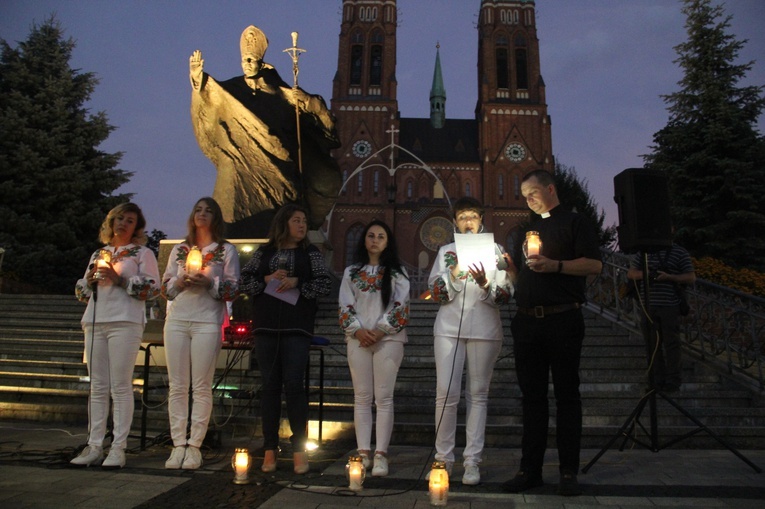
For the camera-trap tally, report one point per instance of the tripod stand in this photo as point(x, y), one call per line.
point(649, 398)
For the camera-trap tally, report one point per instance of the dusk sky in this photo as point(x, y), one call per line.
point(605, 64)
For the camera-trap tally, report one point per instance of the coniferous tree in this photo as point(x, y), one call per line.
point(55, 184)
point(574, 194)
point(710, 148)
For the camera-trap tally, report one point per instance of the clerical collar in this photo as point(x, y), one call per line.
point(550, 212)
point(545, 215)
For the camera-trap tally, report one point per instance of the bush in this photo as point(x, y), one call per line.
point(744, 280)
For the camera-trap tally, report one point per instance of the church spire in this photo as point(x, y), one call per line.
point(437, 95)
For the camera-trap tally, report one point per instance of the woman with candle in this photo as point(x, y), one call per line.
point(374, 311)
point(116, 293)
point(286, 265)
point(468, 330)
point(201, 277)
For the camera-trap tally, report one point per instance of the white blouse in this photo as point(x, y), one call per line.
point(361, 305)
point(466, 309)
point(113, 303)
point(220, 263)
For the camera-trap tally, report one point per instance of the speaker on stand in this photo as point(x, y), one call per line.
point(645, 226)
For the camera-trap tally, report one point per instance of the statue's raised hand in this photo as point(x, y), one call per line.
point(196, 68)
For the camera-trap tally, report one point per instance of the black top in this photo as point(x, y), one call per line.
point(565, 236)
point(272, 315)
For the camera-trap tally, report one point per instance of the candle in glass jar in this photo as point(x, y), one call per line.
point(354, 476)
point(194, 260)
point(241, 464)
point(102, 262)
point(438, 485)
point(533, 245)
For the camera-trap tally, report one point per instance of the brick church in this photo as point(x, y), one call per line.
point(406, 171)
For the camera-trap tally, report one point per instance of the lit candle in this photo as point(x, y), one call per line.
point(104, 258)
point(355, 472)
point(438, 485)
point(194, 260)
point(532, 246)
point(241, 463)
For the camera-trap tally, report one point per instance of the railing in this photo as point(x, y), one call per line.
point(725, 327)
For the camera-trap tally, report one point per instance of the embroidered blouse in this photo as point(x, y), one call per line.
point(220, 263)
point(361, 305)
point(467, 309)
point(138, 266)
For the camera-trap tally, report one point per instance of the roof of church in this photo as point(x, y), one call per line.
point(456, 142)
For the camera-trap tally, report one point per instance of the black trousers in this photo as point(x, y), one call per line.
point(552, 344)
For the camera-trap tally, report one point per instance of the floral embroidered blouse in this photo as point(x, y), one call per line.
point(467, 309)
point(138, 266)
point(220, 263)
point(361, 305)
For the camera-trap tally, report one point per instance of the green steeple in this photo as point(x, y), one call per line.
point(437, 95)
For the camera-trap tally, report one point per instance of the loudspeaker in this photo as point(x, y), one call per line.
point(643, 199)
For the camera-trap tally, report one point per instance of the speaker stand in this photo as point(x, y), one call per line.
point(649, 398)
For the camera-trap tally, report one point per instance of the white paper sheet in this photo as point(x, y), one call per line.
point(289, 296)
point(474, 249)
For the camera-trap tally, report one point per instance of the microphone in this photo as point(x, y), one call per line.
point(501, 262)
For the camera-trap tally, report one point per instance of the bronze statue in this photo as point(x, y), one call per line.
point(247, 127)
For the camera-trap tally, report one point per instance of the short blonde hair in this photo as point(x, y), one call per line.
point(107, 231)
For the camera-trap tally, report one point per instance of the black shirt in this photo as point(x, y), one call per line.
point(565, 236)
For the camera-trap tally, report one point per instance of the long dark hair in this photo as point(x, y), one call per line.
point(280, 230)
point(389, 260)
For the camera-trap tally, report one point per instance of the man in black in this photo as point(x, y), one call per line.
point(667, 269)
point(548, 330)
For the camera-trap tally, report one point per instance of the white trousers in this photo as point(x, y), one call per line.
point(373, 371)
point(450, 356)
point(110, 351)
point(191, 351)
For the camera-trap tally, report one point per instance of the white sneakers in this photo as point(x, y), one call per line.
point(115, 459)
point(175, 460)
point(472, 475)
point(365, 461)
point(193, 458)
point(89, 456)
point(380, 468)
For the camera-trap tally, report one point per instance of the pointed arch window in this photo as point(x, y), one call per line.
point(360, 182)
point(521, 64)
point(375, 65)
point(468, 190)
point(357, 57)
point(345, 177)
point(352, 237)
point(502, 63)
point(501, 186)
point(409, 189)
point(376, 182)
point(516, 187)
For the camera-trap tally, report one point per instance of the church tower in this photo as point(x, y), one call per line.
point(435, 160)
point(513, 123)
point(364, 92)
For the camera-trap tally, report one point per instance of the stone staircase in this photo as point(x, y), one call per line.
point(41, 378)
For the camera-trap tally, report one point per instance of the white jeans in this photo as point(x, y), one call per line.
point(373, 371)
point(481, 356)
point(110, 351)
point(191, 351)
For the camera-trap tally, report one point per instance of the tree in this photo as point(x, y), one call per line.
point(710, 149)
point(154, 239)
point(55, 184)
point(575, 195)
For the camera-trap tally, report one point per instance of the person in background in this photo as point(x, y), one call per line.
point(120, 278)
point(374, 311)
point(548, 330)
point(468, 329)
point(667, 269)
point(196, 317)
point(286, 264)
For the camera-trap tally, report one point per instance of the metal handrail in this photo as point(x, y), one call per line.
point(724, 328)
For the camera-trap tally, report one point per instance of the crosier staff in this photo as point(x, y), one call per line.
point(294, 53)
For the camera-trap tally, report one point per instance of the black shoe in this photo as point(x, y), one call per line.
point(523, 481)
point(569, 486)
